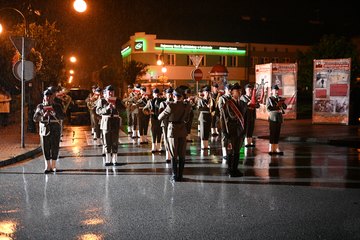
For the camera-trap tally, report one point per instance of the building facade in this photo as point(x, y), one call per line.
point(173, 61)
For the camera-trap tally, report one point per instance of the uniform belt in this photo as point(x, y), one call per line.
point(110, 115)
point(51, 121)
point(205, 111)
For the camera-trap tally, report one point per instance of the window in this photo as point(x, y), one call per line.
point(233, 61)
point(264, 60)
point(286, 60)
point(171, 60)
point(222, 60)
point(275, 60)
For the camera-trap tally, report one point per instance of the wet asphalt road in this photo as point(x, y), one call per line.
point(312, 192)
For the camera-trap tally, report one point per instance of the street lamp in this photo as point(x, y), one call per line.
point(80, 6)
point(22, 73)
point(73, 59)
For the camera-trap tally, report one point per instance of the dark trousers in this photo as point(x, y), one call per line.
point(143, 124)
point(129, 116)
point(233, 154)
point(50, 143)
point(214, 121)
point(275, 128)
point(155, 130)
point(111, 136)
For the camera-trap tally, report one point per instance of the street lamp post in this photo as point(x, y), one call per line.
point(22, 74)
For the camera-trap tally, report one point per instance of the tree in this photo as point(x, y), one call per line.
point(133, 70)
point(49, 50)
point(329, 47)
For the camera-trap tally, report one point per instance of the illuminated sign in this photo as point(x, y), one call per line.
point(139, 46)
point(126, 51)
point(200, 48)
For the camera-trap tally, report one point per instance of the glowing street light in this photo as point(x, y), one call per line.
point(71, 71)
point(1, 28)
point(71, 78)
point(80, 6)
point(163, 69)
point(73, 59)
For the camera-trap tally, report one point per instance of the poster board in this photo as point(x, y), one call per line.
point(331, 91)
point(263, 75)
point(285, 76)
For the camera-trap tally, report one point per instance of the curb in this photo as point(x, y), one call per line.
point(355, 143)
point(21, 157)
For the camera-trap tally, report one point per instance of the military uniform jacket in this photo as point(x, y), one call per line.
point(251, 111)
point(230, 123)
point(222, 100)
point(46, 122)
point(163, 105)
point(177, 114)
point(110, 117)
point(128, 101)
point(154, 106)
point(204, 109)
point(275, 112)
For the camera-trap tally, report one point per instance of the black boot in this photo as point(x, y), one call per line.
point(235, 170)
point(181, 168)
point(174, 173)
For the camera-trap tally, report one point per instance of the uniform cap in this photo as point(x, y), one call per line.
point(109, 88)
point(248, 86)
point(275, 87)
point(236, 86)
point(169, 90)
point(178, 92)
point(156, 90)
point(48, 92)
point(98, 90)
point(206, 89)
point(228, 86)
point(215, 85)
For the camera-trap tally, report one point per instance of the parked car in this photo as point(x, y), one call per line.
point(78, 111)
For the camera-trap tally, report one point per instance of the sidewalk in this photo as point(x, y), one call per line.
point(292, 130)
point(10, 144)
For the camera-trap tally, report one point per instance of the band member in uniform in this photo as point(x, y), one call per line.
point(234, 113)
point(127, 101)
point(49, 114)
point(153, 107)
point(143, 116)
point(205, 106)
point(177, 114)
point(222, 100)
point(97, 130)
point(135, 111)
point(109, 108)
point(215, 95)
point(90, 103)
point(190, 100)
point(165, 122)
point(275, 105)
point(250, 114)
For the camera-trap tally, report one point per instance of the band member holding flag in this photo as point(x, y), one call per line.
point(233, 114)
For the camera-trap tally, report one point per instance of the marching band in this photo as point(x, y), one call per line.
point(228, 113)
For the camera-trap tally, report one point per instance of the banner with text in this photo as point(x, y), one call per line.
point(331, 91)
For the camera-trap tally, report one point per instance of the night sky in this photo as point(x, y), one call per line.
point(97, 35)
